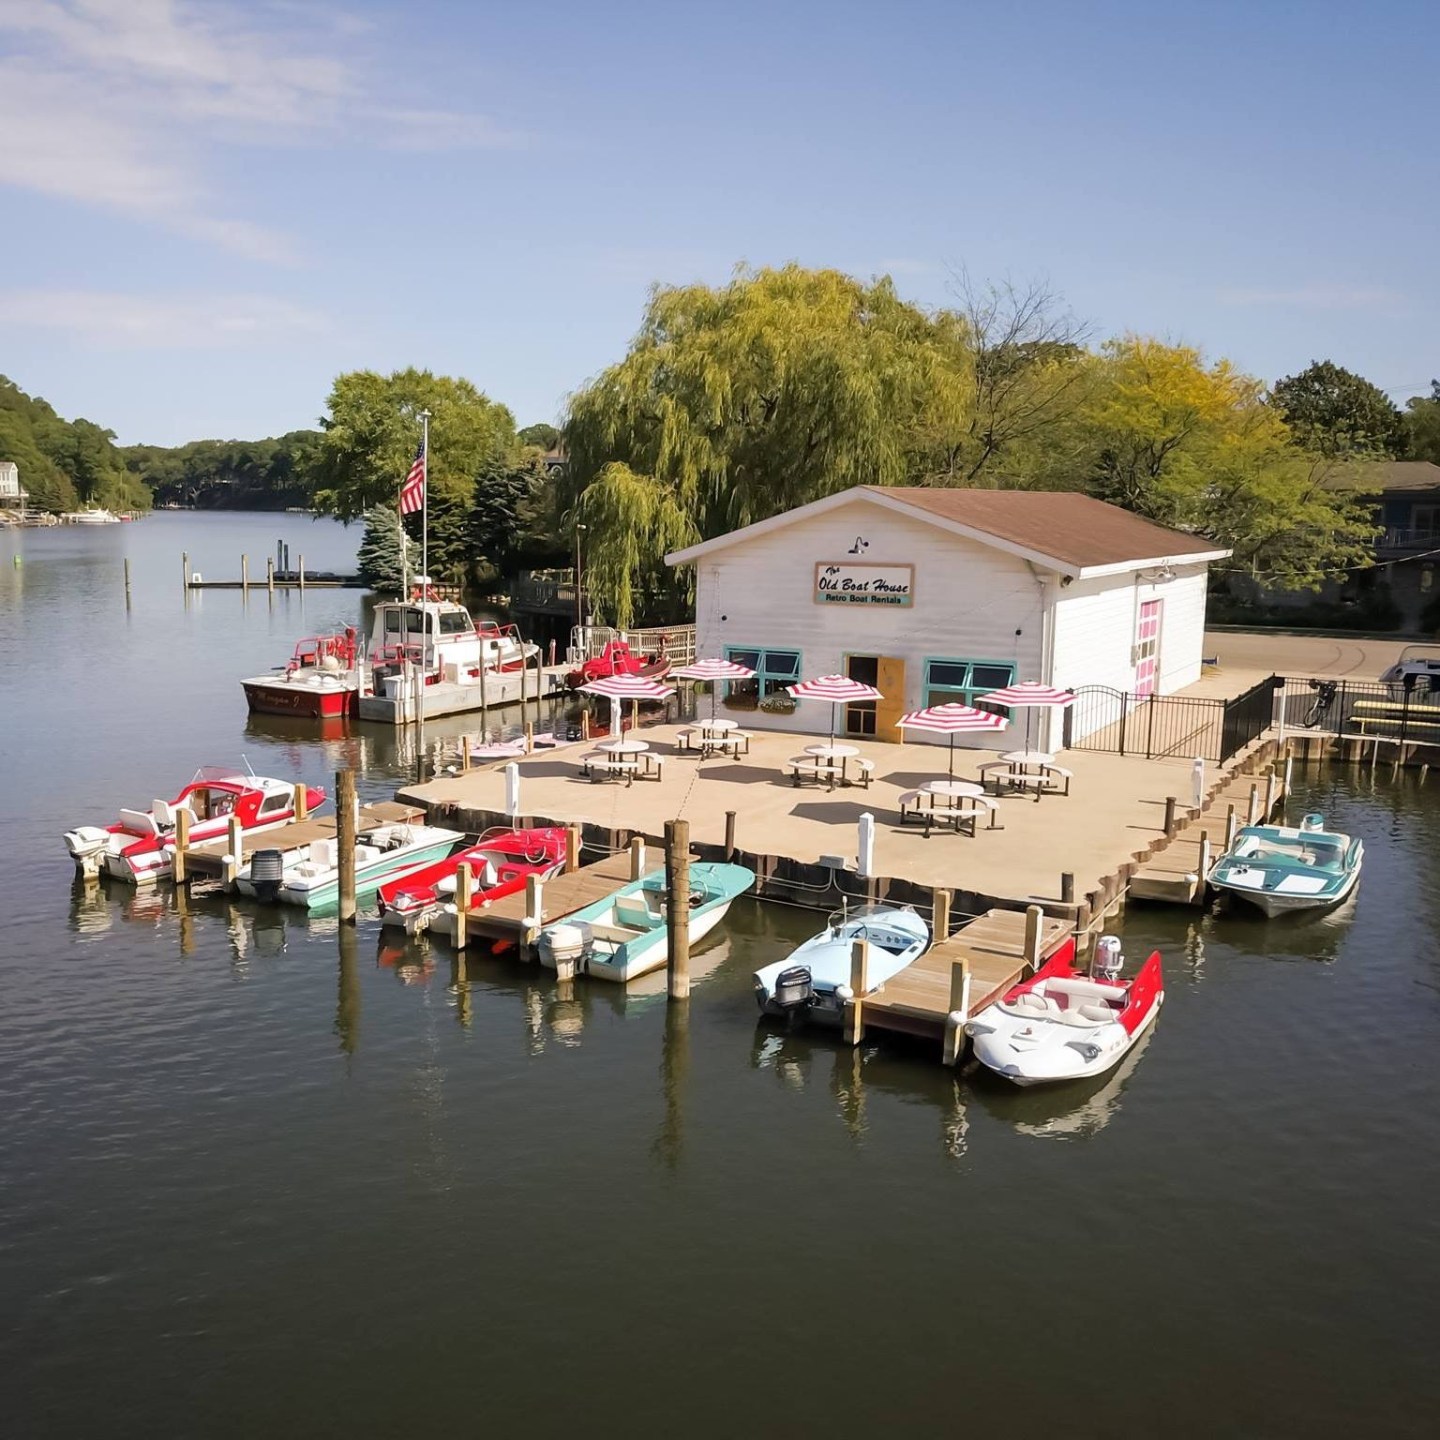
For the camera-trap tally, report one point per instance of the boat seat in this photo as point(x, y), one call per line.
point(364, 854)
point(634, 913)
point(1030, 1003)
point(321, 853)
point(1084, 988)
point(139, 822)
point(1101, 1014)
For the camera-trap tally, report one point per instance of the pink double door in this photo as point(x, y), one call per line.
point(1147, 648)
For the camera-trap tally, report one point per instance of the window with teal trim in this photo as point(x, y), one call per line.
point(774, 669)
point(965, 681)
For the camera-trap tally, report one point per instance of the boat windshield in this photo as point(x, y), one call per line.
point(455, 622)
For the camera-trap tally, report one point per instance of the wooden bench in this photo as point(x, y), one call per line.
point(814, 767)
point(865, 768)
point(600, 765)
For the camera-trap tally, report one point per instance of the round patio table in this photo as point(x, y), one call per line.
point(956, 789)
point(716, 727)
point(831, 751)
point(624, 747)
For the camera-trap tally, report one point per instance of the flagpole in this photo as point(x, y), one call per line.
point(426, 617)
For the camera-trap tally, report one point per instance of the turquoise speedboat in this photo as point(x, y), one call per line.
point(814, 979)
point(1282, 869)
point(624, 935)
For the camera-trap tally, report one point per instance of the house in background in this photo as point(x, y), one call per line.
point(12, 497)
point(933, 595)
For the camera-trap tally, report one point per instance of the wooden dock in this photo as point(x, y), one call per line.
point(1176, 874)
point(560, 896)
point(985, 957)
point(208, 858)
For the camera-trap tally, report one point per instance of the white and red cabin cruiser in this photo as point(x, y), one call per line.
point(140, 846)
point(501, 861)
point(1062, 1024)
point(437, 639)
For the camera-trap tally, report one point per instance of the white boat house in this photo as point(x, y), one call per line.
point(933, 595)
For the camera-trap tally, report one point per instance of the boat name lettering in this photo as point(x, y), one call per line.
point(864, 584)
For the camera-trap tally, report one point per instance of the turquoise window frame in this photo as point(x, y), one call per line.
point(775, 680)
point(944, 692)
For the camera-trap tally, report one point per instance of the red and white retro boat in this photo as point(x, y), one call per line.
point(1062, 1024)
point(501, 860)
point(327, 674)
point(139, 847)
point(617, 658)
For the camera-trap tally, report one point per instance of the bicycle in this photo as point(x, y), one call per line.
point(1320, 707)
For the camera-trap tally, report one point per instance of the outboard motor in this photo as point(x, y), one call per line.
point(793, 988)
point(1313, 822)
point(267, 868)
point(1107, 962)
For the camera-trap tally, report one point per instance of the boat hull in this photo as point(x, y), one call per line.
point(1274, 905)
point(276, 697)
point(1114, 1043)
point(320, 895)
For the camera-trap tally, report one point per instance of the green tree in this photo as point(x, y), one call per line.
point(542, 437)
point(1338, 414)
point(1422, 426)
point(737, 402)
point(380, 559)
point(504, 511)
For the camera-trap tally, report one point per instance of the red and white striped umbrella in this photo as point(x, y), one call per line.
point(952, 719)
point(713, 670)
point(837, 689)
point(1030, 694)
point(618, 688)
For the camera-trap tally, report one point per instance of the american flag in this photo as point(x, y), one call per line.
point(412, 492)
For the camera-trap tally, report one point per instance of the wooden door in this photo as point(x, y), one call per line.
point(890, 681)
point(1147, 648)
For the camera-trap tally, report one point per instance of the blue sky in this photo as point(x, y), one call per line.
point(208, 210)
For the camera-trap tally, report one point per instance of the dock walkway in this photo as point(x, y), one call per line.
point(208, 857)
point(560, 896)
point(920, 999)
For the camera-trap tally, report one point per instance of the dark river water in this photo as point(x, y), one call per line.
point(259, 1178)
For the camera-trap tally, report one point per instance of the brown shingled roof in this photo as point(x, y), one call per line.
point(1063, 524)
point(1383, 476)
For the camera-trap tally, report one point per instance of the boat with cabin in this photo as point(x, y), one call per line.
point(813, 981)
point(309, 874)
point(501, 862)
point(624, 935)
point(617, 658)
point(422, 641)
point(139, 847)
point(1282, 869)
point(1065, 1024)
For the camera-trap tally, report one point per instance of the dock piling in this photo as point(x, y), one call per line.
point(301, 575)
point(464, 884)
point(859, 984)
point(959, 1012)
point(637, 856)
point(1067, 888)
point(230, 866)
point(346, 840)
point(182, 843)
point(302, 803)
point(529, 737)
point(1170, 804)
point(1269, 794)
point(484, 703)
point(729, 836)
point(572, 848)
point(512, 790)
point(1254, 806)
point(677, 908)
point(127, 582)
point(1229, 827)
point(939, 916)
point(464, 756)
point(1204, 867)
point(270, 574)
point(185, 572)
point(1034, 929)
point(244, 574)
point(534, 917)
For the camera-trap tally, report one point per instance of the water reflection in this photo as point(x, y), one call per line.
point(668, 1147)
point(347, 1005)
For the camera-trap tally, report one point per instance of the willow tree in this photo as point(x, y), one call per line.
point(735, 403)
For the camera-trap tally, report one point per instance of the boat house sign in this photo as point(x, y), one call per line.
point(837, 584)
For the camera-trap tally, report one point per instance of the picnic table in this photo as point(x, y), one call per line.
point(1027, 770)
point(830, 762)
point(956, 803)
point(626, 760)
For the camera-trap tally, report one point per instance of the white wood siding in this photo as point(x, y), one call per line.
point(969, 603)
point(1095, 632)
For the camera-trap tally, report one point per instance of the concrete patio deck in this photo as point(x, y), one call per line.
point(1116, 808)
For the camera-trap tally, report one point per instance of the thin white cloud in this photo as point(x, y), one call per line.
point(1316, 297)
point(113, 321)
point(122, 103)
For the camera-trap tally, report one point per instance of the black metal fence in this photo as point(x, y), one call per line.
point(1399, 713)
point(1154, 726)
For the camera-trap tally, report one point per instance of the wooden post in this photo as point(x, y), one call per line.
point(270, 573)
point(1269, 794)
point(244, 574)
point(634, 714)
point(958, 1013)
point(185, 573)
point(535, 914)
point(1067, 888)
point(677, 907)
point(584, 724)
point(182, 844)
point(1204, 866)
point(302, 574)
point(1170, 803)
point(529, 738)
point(729, 836)
point(859, 984)
point(127, 582)
point(637, 857)
point(1254, 805)
point(939, 916)
point(1229, 827)
point(302, 802)
point(1034, 933)
point(572, 848)
point(345, 842)
point(234, 844)
point(484, 701)
point(1289, 773)
point(464, 753)
point(464, 884)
